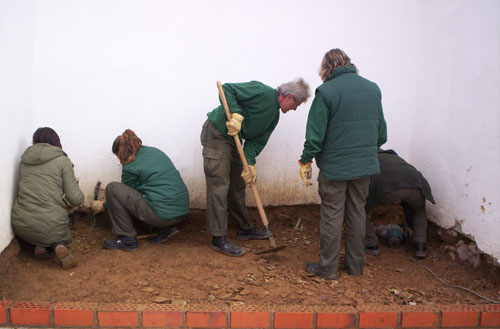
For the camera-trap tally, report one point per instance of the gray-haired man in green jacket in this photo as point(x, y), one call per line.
point(345, 128)
point(255, 113)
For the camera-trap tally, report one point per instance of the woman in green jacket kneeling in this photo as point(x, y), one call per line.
point(47, 186)
point(151, 190)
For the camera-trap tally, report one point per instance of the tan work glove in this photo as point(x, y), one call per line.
point(250, 176)
point(97, 206)
point(234, 125)
point(306, 173)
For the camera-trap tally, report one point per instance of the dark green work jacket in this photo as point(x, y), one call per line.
point(345, 126)
point(259, 105)
point(153, 174)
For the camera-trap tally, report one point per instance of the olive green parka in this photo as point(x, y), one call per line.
point(40, 214)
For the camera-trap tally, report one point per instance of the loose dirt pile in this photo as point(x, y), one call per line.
point(186, 270)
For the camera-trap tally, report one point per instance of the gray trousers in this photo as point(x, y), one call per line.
point(225, 187)
point(124, 204)
point(339, 200)
point(413, 202)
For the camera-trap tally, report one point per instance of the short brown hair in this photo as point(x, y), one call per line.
point(333, 59)
point(126, 145)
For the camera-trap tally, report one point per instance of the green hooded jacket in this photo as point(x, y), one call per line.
point(39, 214)
point(153, 174)
point(345, 126)
point(259, 105)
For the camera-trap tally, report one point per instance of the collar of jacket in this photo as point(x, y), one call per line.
point(341, 70)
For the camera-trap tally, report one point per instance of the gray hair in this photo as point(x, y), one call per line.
point(298, 88)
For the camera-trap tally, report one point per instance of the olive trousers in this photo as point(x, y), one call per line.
point(225, 187)
point(339, 200)
point(124, 204)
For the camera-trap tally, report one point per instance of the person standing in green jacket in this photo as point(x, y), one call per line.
point(47, 187)
point(345, 128)
point(255, 113)
point(151, 190)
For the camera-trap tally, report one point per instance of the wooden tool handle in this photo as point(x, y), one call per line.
point(256, 196)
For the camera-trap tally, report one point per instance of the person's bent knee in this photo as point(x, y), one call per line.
point(111, 188)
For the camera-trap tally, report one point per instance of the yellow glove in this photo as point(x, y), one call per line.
point(97, 206)
point(234, 125)
point(250, 176)
point(306, 173)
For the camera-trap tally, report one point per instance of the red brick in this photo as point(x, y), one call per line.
point(336, 317)
point(4, 304)
point(458, 316)
point(421, 316)
point(249, 316)
point(293, 317)
point(163, 315)
point(118, 315)
point(206, 316)
point(74, 314)
point(378, 316)
point(30, 313)
point(490, 315)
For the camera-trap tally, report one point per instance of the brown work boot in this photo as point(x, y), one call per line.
point(41, 253)
point(66, 258)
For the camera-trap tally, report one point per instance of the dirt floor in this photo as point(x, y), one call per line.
point(186, 270)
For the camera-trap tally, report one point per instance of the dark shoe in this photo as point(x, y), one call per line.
point(372, 250)
point(225, 246)
point(66, 258)
point(314, 269)
point(41, 253)
point(164, 235)
point(252, 234)
point(127, 243)
point(420, 249)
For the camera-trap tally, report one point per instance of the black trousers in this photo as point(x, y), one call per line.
point(413, 202)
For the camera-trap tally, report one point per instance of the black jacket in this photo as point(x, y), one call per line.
point(395, 173)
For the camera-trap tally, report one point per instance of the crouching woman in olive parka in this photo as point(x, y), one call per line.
point(47, 185)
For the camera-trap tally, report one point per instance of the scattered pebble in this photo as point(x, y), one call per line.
point(160, 300)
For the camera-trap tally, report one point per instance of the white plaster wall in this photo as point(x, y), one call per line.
point(16, 100)
point(455, 139)
point(89, 69)
point(103, 66)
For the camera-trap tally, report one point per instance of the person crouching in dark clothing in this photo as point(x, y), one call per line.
point(399, 181)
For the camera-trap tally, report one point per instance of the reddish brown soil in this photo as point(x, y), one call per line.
point(185, 269)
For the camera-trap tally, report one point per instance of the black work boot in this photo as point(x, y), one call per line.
point(223, 245)
point(127, 243)
point(164, 235)
point(252, 234)
point(420, 249)
point(314, 268)
point(372, 250)
point(66, 258)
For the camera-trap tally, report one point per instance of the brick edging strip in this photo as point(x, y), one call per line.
point(82, 315)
